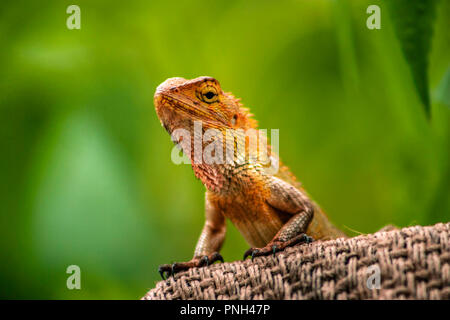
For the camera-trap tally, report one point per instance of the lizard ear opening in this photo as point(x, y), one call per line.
point(234, 119)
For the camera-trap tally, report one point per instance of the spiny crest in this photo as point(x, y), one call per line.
point(244, 118)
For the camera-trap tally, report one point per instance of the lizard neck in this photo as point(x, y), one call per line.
point(225, 159)
point(213, 177)
point(236, 177)
point(223, 178)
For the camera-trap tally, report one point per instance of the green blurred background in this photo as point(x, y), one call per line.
point(86, 175)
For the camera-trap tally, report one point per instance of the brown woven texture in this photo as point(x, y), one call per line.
point(414, 263)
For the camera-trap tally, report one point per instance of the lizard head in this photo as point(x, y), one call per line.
point(183, 104)
point(180, 102)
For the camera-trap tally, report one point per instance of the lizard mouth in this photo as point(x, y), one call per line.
point(185, 107)
point(177, 105)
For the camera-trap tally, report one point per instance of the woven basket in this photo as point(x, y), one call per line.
point(411, 263)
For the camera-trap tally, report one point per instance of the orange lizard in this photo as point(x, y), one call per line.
point(270, 209)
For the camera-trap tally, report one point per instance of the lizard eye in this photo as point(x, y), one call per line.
point(209, 94)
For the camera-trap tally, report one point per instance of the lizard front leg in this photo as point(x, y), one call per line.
point(208, 244)
point(286, 198)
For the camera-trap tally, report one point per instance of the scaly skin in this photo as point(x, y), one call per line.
point(272, 211)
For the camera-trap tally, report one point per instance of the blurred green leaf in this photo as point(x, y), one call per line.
point(413, 22)
point(442, 93)
point(86, 171)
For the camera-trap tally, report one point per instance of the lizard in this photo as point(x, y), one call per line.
point(270, 209)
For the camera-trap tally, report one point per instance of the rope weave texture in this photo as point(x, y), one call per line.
point(413, 263)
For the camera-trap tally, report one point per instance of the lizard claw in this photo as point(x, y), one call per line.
point(252, 251)
point(204, 260)
point(210, 259)
point(167, 270)
point(274, 249)
point(172, 269)
point(303, 238)
point(217, 257)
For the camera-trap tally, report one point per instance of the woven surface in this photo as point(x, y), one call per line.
point(413, 263)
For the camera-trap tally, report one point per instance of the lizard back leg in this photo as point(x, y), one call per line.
point(292, 233)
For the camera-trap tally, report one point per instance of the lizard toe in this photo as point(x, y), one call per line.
point(204, 261)
point(277, 245)
point(210, 259)
point(253, 252)
point(301, 238)
point(165, 270)
point(249, 252)
point(216, 257)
